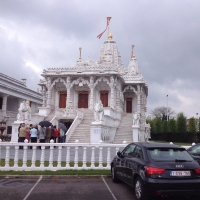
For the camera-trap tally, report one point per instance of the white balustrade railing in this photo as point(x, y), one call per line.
point(56, 156)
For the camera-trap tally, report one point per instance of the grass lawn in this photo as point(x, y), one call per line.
point(59, 172)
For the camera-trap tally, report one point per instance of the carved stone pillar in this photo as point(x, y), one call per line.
point(43, 96)
point(91, 104)
point(68, 86)
point(49, 98)
point(68, 96)
point(138, 98)
point(53, 98)
point(91, 85)
point(48, 92)
point(112, 93)
point(4, 104)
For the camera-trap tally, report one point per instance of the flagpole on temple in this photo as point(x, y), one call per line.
point(108, 22)
point(107, 27)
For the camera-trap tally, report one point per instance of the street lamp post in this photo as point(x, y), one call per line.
point(196, 137)
point(167, 107)
point(197, 122)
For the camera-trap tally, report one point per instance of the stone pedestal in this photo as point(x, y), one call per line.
point(135, 133)
point(95, 131)
point(14, 135)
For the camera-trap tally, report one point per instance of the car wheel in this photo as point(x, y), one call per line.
point(114, 175)
point(139, 189)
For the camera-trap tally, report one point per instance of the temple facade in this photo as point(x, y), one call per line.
point(69, 95)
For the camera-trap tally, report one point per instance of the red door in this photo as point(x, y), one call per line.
point(104, 98)
point(83, 99)
point(62, 99)
point(129, 105)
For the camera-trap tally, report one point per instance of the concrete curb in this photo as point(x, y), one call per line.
point(52, 176)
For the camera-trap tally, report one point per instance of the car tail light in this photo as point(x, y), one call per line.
point(154, 171)
point(197, 170)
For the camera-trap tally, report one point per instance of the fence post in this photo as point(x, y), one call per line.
point(25, 154)
point(84, 157)
point(51, 154)
point(7, 157)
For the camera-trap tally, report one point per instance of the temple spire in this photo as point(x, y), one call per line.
point(132, 53)
point(109, 33)
point(80, 53)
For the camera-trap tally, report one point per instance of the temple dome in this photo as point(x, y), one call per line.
point(133, 68)
point(109, 53)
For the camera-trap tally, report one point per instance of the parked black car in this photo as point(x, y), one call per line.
point(195, 152)
point(157, 169)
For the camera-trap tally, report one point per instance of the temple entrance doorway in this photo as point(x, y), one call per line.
point(104, 98)
point(62, 99)
point(83, 99)
point(129, 105)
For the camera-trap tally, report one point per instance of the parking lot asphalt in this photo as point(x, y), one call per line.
point(65, 188)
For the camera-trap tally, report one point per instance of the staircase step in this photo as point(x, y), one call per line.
point(124, 131)
point(82, 131)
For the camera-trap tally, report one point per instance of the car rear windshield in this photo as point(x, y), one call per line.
point(169, 154)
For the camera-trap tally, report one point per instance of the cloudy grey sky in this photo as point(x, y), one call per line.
point(39, 34)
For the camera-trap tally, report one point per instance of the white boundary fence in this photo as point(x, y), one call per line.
point(99, 156)
point(59, 156)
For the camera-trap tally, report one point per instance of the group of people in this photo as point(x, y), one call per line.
point(33, 133)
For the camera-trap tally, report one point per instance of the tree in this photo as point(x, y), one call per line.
point(181, 127)
point(165, 129)
point(152, 125)
point(192, 125)
point(162, 112)
point(171, 136)
point(172, 125)
point(158, 125)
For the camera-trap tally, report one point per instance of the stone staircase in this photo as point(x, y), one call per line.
point(82, 132)
point(124, 131)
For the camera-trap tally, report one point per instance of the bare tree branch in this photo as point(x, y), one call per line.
point(162, 112)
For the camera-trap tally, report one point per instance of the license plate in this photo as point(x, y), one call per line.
point(180, 173)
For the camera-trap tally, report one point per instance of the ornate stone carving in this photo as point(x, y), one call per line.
point(48, 85)
point(147, 132)
point(136, 119)
point(98, 111)
point(24, 111)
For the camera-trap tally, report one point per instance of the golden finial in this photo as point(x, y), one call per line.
point(102, 57)
point(80, 52)
point(132, 54)
point(109, 34)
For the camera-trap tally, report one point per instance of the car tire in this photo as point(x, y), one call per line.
point(114, 175)
point(139, 189)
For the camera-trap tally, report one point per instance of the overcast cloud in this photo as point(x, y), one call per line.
point(40, 34)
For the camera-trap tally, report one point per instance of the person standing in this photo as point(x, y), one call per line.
point(48, 135)
point(19, 130)
point(27, 133)
point(22, 134)
point(62, 136)
point(34, 134)
point(52, 133)
point(56, 134)
point(42, 135)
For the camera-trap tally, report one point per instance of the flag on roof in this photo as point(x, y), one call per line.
point(107, 24)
